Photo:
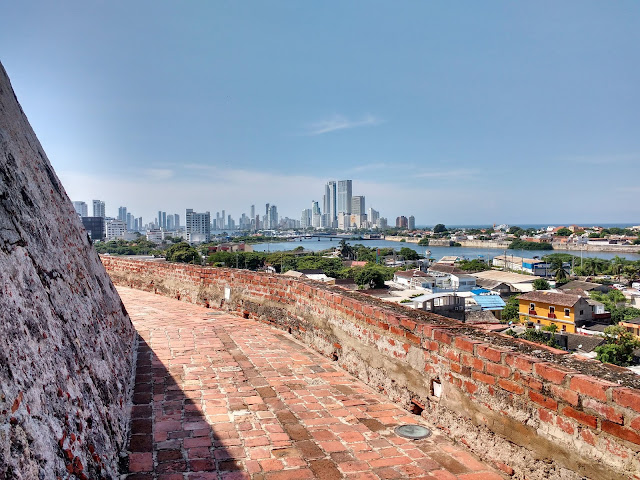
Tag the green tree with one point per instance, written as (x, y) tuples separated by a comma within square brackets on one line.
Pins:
[(540, 284), (564, 232), (409, 253), (439, 228), (424, 242), (371, 275), (346, 251), (510, 311), (518, 244), (474, 265), (183, 253), (618, 347)]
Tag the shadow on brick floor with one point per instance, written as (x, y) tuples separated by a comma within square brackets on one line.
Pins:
[(170, 436)]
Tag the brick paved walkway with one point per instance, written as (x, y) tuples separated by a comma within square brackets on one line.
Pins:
[(221, 397)]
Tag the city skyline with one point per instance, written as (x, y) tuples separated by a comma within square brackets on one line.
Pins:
[(462, 113)]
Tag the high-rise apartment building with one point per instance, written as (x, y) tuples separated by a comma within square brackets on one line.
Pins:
[(81, 209), (357, 205), (114, 229), (305, 218), (198, 226), (94, 227), (273, 217), (315, 214), (98, 208), (122, 214), (373, 216), (343, 196), (330, 208), (402, 222), (411, 224)]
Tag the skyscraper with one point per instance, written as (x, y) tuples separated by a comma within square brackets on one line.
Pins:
[(198, 226), (330, 208), (122, 214), (412, 223), (315, 214), (81, 209), (305, 218), (98, 208), (373, 216), (344, 197), (273, 217), (357, 205)]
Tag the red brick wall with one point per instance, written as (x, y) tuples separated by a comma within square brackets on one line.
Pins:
[(524, 401)]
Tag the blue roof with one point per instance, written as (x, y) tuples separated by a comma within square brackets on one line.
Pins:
[(489, 302), (478, 291)]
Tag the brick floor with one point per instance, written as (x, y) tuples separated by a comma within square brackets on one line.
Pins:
[(222, 397)]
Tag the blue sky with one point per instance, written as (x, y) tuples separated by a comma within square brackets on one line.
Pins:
[(454, 112)]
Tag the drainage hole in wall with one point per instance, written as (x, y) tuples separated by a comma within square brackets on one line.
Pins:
[(334, 357), (416, 408), (290, 330), (436, 387)]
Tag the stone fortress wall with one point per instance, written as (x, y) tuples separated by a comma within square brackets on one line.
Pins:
[(537, 410), (66, 341)]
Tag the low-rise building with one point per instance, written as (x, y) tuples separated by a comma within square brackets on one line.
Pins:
[(534, 266), (563, 310), (114, 229), (632, 326), (446, 304)]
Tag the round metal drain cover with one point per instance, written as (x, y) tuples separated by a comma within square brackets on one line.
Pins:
[(414, 432)]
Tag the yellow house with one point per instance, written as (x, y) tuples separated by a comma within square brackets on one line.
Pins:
[(561, 309), (632, 326)]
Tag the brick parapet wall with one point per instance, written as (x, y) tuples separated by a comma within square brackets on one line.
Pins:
[(543, 413)]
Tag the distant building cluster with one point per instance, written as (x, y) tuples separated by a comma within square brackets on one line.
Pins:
[(339, 210)]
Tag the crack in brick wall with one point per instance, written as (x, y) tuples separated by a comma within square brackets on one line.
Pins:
[(523, 407)]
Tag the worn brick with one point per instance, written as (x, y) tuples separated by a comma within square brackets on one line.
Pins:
[(481, 377), (490, 353), (510, 386), (498, 370), (585, 419), (543, 401), (443, 336), (564, 394), (550, 372), (465, 344), (620, 432), (603, 410), (593, 387), (627, 397), (521, 362)]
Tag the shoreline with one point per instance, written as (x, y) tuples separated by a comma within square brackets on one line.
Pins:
[(629, 249)]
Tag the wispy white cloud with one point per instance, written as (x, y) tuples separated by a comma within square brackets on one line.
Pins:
[(159, 173), (613, 159), (371, 166), (340, 122), (453, 173)]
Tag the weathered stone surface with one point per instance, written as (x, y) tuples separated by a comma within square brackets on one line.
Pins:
[(66, 341)]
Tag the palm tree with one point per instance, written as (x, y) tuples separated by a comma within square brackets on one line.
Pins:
[(617, 265), (345, 250)]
